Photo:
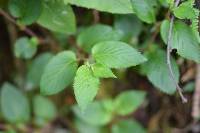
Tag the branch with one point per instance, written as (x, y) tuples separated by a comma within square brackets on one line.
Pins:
[(96, 16), (196, 96), (23, 28), (169, 50)]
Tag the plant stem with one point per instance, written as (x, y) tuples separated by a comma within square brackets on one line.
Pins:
[(23, 28), (169, 50), (196, 96), (96, 16)]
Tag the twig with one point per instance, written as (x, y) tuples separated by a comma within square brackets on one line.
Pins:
[(196, 96), (155, 33), (96, 16), (81, 54), (169, 50), (23, 28)]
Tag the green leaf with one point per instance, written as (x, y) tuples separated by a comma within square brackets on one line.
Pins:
[(164, 3), (184, 11), (127, 102), (112, 6), (126, 23), (58, 73), (58, 17), (86, 86), (25, 48), (95, 34), (116, 54), (144, 10), (96, 114), (27, 11), (36, 69), (183, 40), (189, 87), (157, 71), (195, 21), (128, 126), (83, 127), (44, 108), (102, 71), (14, 105)]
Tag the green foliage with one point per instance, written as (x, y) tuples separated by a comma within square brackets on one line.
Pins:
[(127, 126), (128, 101), (189, 87), (128, 25), (88, 47), (144, 10), (58, 17), (185, 11), (36, 69), (112, 6), (102, 71), (44, 110), (157, 71), (27, 11), (115, 54), (14, 105), (86, 86), (84, 127), (195, 21), (97, 111), (183, 40), (25, 48), (95, 34), (102, 112), (58, 73)]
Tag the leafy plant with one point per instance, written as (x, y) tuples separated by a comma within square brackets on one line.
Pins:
[(103, 112), (14, 105), (94, 47)]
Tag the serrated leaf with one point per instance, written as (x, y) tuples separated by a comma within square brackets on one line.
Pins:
[(14, 105), (144, 10), (95, 114), (86, 86), (58, 17), (27, 11), (128, 101), (116, 54), (157, 71), (184, 11), (183, 39), (95, 34), (195, 21), (36, 69), (43, 108), (25, 48), (102, 71), (112, 6), (128, 126), (58, 73)]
